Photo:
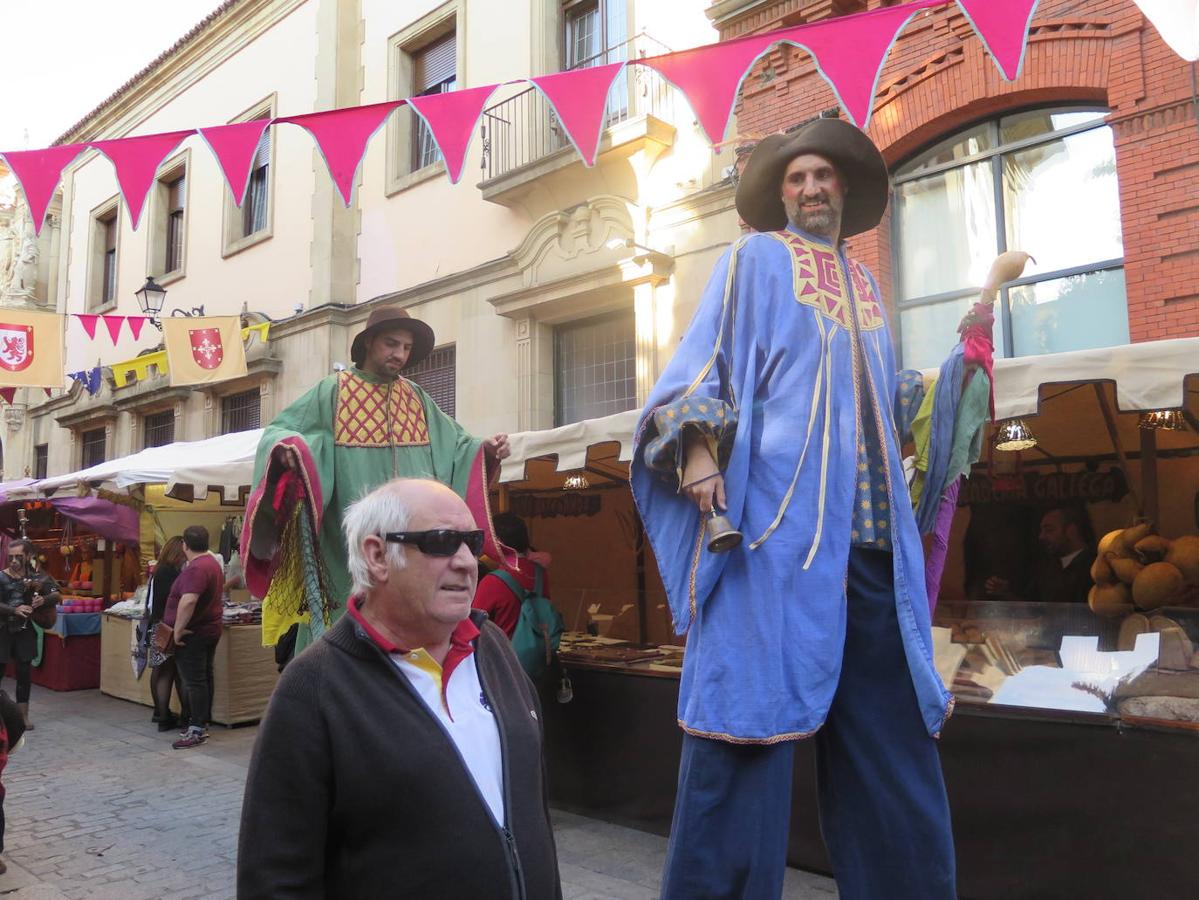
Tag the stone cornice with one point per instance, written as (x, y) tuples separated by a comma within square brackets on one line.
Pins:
[(152, 393), (725, 10), (100, 414), (457, 283), (326, 315), (239, 26), (701, 205)]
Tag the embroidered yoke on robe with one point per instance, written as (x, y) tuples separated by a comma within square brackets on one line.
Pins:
[(787, 337)]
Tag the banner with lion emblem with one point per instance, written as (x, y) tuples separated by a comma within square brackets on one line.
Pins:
[(31, 349)]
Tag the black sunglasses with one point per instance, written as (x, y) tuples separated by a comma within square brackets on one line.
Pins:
[(439, 542)]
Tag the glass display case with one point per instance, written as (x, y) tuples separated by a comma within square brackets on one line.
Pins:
[(1061, 656)]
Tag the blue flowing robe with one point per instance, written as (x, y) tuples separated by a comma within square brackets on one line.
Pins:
[(788, 334)]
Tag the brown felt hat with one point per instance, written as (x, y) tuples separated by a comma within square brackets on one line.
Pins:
[(392, 318), (759, 200)]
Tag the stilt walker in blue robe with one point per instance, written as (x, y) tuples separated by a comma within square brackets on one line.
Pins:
[(780, 407)]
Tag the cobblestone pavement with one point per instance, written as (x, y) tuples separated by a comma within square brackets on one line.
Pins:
[(100, 806)]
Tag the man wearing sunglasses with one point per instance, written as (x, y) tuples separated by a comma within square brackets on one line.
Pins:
[(401, 755), (355, 430)]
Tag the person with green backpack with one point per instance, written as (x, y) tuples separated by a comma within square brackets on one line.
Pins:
[(518, 602)]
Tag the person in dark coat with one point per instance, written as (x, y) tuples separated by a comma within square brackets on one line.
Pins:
[(401, 754), (22, 590), (1063, 573)]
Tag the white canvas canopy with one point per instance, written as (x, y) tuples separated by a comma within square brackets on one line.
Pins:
[(225, 462), (570, 444), (1146, 376), (1142, 377)]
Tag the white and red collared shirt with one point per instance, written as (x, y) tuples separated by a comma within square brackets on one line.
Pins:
[(454, 686)]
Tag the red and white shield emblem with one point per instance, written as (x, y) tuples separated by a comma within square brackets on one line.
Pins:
[(207, 350), (16, 346)]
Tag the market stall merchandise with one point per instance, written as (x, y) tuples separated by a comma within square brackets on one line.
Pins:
[(89, 546), (158, 492)]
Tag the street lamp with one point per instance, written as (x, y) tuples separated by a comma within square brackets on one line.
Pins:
[(151, 298)]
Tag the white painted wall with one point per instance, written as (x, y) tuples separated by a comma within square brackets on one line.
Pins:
[(271, 276)]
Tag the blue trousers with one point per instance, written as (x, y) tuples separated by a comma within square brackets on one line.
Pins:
[(883, 809)]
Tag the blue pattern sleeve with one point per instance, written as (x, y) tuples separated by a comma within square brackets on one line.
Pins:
[(909, 394), (665, 428)]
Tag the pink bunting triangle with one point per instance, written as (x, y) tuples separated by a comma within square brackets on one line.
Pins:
[(578, 98), (1003, 29), (136, 324), (136, 160), (8, 394), (854, 76), (341, 135), (234, 146), (89, 324), (49, 391), (113, 324), (710, 76), (451, 119), (38, 171)]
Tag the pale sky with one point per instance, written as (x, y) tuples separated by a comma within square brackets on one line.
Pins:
[(64, 57)]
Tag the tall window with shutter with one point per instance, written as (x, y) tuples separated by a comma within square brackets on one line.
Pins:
[(436, 374), (435, 72), (175, 190), (254, 208), (108, 284), (103, 252), (94, 444)]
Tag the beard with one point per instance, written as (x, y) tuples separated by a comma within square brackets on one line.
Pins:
[(824, 222)]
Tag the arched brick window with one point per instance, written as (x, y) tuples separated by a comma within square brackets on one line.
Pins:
[(1042, 180)]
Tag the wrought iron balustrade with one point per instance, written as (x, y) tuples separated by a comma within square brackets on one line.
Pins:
[(524, 128)]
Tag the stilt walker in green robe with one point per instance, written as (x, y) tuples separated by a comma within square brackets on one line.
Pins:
[(355, 430)]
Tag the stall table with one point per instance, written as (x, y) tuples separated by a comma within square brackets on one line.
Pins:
[(244, 671), (1040, 787)]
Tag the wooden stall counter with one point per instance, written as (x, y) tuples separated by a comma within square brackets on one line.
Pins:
[(244, 671)]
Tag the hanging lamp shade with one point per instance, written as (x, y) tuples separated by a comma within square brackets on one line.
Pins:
[(576, 483), (1014, 434), (1163, 420)]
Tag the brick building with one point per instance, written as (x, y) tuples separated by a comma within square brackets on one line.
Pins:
[(1089, 160)]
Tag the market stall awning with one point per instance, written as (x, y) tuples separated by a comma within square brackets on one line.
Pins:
[(1146, 376), (225, 462), (573, 445), (7, 487)]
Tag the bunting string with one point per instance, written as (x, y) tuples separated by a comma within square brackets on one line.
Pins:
[(848, 51)]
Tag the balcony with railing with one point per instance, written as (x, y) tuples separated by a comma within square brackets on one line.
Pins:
[(523, 138)]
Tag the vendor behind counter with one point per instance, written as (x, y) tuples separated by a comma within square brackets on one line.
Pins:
[(1059, 570)]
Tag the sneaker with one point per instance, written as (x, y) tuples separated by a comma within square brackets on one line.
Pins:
[(191, 739)]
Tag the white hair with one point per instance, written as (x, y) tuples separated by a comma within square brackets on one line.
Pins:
[(380, 511)]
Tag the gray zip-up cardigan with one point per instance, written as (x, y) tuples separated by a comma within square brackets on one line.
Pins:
[(356, 791)]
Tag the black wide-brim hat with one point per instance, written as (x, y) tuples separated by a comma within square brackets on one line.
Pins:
[(759, 191), (392, 318)]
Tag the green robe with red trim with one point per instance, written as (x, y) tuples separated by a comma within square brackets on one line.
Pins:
[(353, 432)]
